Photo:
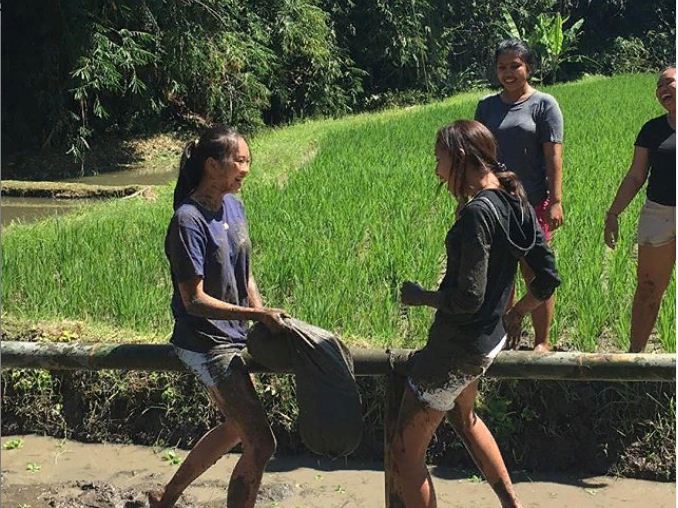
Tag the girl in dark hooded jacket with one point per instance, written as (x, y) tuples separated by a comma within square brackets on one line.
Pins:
[(495, 228)]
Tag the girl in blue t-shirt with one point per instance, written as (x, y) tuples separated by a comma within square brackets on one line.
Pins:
[(208, 248), (654, 160)]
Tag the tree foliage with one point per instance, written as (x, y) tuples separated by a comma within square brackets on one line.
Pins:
[(76, 69), (552, 43)]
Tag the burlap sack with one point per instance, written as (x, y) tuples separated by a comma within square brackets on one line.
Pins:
[(330, 412)]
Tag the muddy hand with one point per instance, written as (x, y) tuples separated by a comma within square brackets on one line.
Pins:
[(410, 293), (274, 319), (513, 324), (555, 216), (283, 313), (611, 230)]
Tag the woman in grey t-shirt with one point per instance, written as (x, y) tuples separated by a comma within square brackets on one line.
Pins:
[(528, 126)]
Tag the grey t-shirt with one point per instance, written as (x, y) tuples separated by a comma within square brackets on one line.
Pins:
[(521, 128)]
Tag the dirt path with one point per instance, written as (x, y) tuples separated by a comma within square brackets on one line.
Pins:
[(46, 472)]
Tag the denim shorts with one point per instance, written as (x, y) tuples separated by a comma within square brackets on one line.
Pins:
[(214, 366), (442, 397)]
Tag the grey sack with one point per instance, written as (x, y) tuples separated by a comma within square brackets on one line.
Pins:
[(330, 412)]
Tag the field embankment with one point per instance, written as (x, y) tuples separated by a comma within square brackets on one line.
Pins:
[(67, 190), (341, 212)]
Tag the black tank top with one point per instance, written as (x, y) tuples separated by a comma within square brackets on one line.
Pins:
[(660, 140)]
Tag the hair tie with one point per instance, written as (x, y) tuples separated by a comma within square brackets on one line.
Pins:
[(500, 167), (191, 148)]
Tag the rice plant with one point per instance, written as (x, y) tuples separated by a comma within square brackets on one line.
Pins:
[(341, 212)]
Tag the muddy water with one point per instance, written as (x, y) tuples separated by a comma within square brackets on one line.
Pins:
[(31, 209), (131, 177), (46, 472)]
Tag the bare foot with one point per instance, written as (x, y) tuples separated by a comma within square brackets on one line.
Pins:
[(543, 347), (155, 499)]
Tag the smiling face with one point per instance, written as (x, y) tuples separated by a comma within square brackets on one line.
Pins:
[(666, 89), (512, 71), (229, 173)]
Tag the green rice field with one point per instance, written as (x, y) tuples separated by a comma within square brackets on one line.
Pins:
[(341, 212)]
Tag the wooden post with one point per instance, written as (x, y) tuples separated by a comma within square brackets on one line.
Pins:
[(395, 386)]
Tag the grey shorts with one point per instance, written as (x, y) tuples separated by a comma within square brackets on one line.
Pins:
[(216, 365), (656, 224), (441, 398)]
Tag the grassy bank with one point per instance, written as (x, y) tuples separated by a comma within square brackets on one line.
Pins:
[(341, 212)]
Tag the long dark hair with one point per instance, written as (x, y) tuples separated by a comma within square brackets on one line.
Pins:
[(472, 147), (218, 141)]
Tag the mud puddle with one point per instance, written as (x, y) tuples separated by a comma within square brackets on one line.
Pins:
[(46, 472), (32, 209)]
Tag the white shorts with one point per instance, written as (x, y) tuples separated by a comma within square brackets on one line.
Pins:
[(216, 365), (442, 399), (656, 224)]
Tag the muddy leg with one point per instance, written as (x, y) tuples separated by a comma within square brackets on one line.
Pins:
[(415, 427), (482, 447), (210, 448), (655, 265), (237, 398), (542, 316)]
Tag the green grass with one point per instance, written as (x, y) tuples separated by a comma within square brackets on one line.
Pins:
[(341, 212)]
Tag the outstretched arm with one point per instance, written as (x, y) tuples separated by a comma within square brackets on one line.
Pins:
[(629, 187), (468, 294), (199, 303), (542, 262)]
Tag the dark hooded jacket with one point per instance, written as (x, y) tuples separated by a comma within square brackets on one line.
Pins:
[(483, 248)]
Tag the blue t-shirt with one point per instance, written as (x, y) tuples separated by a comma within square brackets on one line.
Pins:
[(216, 247)]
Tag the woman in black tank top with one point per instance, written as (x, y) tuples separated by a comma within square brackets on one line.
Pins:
[(654, 161)]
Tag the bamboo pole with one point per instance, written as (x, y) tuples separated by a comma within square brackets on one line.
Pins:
[(509, 364), (569, 366)]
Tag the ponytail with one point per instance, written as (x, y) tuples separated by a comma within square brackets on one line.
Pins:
[(218, 142), (189, 175), (510, 183)]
